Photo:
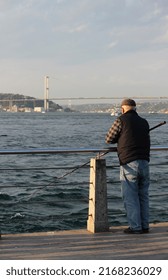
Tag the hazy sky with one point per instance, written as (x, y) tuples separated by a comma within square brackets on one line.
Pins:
[(88, 48)]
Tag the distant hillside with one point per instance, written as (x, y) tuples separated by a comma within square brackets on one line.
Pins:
[(11, 99), (26, 101), (143, 107), (153, 107)]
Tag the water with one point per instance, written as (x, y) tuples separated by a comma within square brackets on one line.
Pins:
[(35, 200)]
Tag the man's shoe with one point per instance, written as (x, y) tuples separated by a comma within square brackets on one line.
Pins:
[(131, 231), (145, 230)]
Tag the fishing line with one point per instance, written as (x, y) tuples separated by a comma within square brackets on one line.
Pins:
[(64, 175)]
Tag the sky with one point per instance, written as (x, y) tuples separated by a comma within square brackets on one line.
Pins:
[(88, 48)]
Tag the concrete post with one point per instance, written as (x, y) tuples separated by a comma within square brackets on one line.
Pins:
[(97, 217)]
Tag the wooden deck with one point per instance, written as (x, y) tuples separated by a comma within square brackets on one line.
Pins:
[(82, 245)]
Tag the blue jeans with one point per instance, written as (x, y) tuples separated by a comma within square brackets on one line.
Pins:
[(134, 178)]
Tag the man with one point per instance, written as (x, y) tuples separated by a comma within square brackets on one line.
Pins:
[(131, 133)]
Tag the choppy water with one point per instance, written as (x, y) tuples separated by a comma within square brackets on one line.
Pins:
[(27, 204)]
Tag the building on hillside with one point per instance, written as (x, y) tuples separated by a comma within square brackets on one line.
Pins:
[(39, 109)]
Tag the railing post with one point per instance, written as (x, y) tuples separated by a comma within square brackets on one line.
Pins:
[(97, 216)]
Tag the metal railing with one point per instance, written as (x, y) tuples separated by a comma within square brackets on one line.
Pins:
[(26, 204), (71, 151)]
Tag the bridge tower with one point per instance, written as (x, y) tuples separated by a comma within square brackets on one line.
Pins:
[(46, 93)]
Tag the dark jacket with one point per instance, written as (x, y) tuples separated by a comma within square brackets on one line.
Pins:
[(134, 140)]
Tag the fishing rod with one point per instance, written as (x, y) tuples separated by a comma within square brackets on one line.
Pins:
[(162, 123), (156, 126), (112, 149)]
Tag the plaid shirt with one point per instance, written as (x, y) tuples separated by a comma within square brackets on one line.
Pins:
[(114, 132)]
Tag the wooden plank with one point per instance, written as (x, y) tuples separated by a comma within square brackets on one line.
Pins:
[(82, 245)]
